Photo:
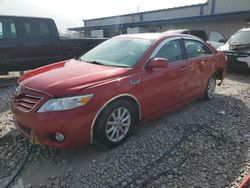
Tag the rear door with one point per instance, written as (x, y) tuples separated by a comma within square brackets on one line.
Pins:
[(200, 63), (164, 88), (40, 44), (9, 51)]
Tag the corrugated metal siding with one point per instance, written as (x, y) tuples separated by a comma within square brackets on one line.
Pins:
[(207, 8), (228, 27), (113, 20), (223, 6), (172, 13)]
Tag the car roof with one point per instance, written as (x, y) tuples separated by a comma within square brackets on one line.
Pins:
[(156, 36), (182, 30), (26, 17), (246, 29)]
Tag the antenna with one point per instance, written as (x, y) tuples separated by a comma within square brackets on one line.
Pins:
[(137, 9)]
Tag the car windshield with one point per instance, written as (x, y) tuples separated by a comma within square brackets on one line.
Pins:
[(240, 38), (119, 52)]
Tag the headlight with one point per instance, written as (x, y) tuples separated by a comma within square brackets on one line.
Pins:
[(66, 103)]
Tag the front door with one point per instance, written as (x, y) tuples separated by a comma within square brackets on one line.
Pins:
[(164, 88)]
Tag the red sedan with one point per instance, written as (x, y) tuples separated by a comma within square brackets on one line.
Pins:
[(100, 96)]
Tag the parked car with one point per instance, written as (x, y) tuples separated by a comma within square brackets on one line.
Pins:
[(216, 39), (237, 50), (102, 95), (28, 43)]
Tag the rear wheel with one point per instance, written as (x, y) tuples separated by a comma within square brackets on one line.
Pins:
[(209, 92), (115, 123)]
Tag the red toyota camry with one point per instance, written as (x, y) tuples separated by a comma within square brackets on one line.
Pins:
[(100, 96)]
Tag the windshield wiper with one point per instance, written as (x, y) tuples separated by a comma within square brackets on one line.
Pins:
[(92, 62), (95, 62)]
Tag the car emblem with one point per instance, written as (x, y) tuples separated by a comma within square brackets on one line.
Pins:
[(17, 90)]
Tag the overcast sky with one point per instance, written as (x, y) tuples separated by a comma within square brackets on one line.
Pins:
[(70, 13)]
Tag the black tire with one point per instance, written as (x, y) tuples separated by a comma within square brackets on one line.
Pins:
[(209, 92), (102, 127)]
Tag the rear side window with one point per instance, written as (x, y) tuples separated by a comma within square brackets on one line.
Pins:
[(7, 29), (196, 49), (36, 29), (171, 51)]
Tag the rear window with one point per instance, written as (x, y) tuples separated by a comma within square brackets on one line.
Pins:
[(7, 29), (36, 29)]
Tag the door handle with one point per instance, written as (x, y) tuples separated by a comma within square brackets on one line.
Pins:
[(183, 68)]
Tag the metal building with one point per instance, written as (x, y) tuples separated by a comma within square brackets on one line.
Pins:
[(225, 16)]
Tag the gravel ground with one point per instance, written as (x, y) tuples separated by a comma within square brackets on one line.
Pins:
[(205, 144)]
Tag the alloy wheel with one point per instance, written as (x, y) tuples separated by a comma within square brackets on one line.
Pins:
[(118, 124)]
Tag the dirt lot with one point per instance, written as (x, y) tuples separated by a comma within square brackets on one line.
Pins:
[(205, 144)]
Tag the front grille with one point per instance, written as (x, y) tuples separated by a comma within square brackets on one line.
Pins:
[(26, 102)]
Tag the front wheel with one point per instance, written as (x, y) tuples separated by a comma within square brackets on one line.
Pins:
[(209, 92), (115, 123)]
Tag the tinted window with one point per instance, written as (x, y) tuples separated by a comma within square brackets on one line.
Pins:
[(7, 29), (171, 51), (196, 49), (36, 29)]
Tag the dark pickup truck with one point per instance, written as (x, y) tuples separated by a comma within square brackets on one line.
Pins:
[(28, 43)]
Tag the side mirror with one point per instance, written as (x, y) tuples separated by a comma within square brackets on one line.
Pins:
[(222, 41), (158, 63)]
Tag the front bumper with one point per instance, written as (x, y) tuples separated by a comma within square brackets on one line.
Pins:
[(235, 61), (40, 128)]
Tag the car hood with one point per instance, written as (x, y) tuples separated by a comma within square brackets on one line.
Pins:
[(232, 48), (69, 77)]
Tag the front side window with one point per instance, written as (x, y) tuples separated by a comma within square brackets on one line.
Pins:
[(196, 49), (7, 29), (171, 51), (120, 52)]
